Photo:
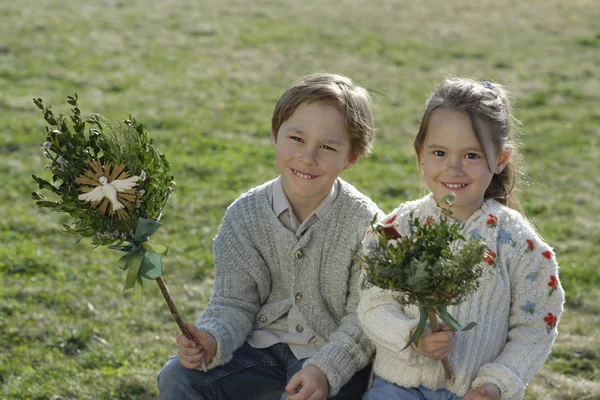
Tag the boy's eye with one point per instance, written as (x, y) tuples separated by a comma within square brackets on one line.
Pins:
[(439, 153), (472, 156), (296, 138), (328, 148)]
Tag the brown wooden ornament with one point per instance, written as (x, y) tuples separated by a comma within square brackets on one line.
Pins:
[(109, 188)]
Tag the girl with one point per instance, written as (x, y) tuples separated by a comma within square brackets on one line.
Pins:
[(465, 146)]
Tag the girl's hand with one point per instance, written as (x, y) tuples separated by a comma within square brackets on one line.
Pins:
[(436, 345), (312, 383), (192, 354), (489, 391)]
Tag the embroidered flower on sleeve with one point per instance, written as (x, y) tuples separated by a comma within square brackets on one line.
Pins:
[(528, 307), (532, 276), (547, 254), (372, 244), (391, 220), (474, 234), (391, 233), (492, 221), (429, 221), (530, 244), (553, 284), (489, 257), (506, 238), (389, 229), (550, 321)]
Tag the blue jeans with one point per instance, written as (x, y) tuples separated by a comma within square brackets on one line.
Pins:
[(384, 390), (253, 374)]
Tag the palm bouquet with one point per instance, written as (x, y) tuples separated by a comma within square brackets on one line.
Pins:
[(114, 184), (423, 268)]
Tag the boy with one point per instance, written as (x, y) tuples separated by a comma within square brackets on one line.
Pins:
[(282, 316)]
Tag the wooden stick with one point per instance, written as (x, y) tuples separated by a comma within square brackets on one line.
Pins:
[(434, 328), (175, 313)]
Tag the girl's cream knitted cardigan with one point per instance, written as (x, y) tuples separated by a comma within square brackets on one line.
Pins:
[(516, 309)]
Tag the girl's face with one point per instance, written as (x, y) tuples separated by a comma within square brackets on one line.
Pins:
[(453, 161)]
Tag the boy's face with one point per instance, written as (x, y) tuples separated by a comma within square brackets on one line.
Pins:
[(312, 148)]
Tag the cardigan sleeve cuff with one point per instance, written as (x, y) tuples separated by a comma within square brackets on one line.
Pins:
[(337, 364), (223, 339), (510, 385)]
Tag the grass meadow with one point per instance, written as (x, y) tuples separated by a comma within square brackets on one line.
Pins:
[(203, 76)]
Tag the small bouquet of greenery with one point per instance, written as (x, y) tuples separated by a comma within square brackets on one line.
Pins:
[(114, 184), (422, 268)]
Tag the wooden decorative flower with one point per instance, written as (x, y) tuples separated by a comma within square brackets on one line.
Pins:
[(109, 188)]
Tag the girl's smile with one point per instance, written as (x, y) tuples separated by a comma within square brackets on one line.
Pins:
[(456, 186)]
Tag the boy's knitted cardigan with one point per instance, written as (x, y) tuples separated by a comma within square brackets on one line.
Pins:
[(516, 309), (261, 267)]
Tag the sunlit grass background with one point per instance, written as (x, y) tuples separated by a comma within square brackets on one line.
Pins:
[(203, 77)]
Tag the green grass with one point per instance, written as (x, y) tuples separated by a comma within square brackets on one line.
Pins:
[(203, 78)]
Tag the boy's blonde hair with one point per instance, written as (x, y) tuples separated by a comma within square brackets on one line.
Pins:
[(488, 107), (351, 100)]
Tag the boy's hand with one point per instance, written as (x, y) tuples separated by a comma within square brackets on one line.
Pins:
[(192, 354), (312, 382), (489, 391), (436, 345)]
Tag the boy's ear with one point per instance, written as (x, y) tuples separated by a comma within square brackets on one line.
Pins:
[(273, 138), (503, 159), (352, 160)]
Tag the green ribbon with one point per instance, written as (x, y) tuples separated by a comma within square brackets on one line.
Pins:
[(143, 259), (445, 316), (416, 335), (451, 322)]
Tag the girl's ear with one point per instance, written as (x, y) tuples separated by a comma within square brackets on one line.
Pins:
[(273, 138), (503, 159)]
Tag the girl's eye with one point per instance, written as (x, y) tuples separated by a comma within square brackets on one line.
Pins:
[(296, 138), (439, 153), (472, 156)]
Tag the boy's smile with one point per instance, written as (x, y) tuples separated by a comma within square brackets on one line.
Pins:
[(304, 176), (454, 161), (312, 148)]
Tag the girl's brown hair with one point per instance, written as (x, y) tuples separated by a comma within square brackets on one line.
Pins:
[(488, 107)]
